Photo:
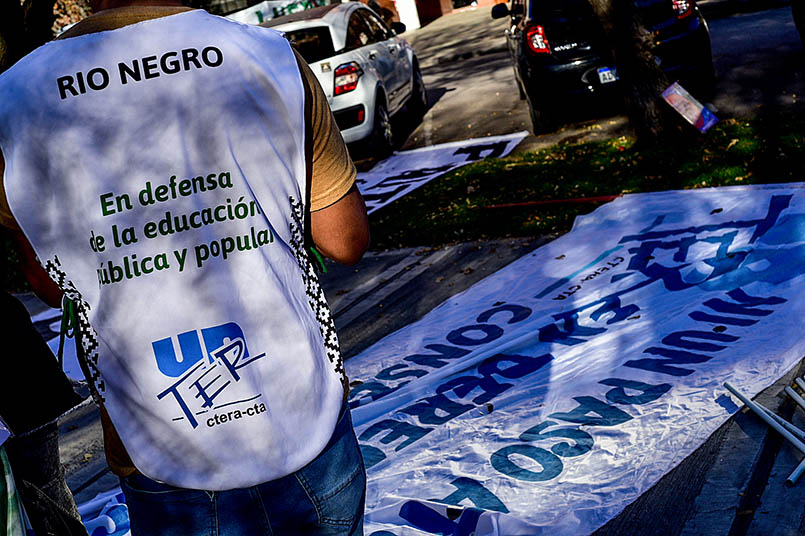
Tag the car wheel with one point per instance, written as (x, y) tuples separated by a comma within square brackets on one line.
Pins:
[(541, 121), (418, 104), (382, 138), (519, 85), (707, 79)]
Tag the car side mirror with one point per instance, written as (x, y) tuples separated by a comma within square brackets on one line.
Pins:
[(500, 11), (398, 27)]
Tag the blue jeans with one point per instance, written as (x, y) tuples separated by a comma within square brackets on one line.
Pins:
[(326, 497)]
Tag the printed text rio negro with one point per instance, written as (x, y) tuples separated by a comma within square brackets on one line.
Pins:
[(138, 69)]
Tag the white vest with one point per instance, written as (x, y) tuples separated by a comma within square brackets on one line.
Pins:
[(159, 172)]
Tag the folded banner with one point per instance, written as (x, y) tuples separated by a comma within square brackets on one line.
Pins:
[(550, 395), (406, 171)]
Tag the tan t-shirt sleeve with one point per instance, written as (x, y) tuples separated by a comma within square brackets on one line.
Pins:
[(333, 172)]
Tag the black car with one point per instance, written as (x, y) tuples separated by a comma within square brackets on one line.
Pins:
[(560, 53)]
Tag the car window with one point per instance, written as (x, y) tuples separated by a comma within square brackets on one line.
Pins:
[(313, 44), (378, 27), (567, 21), (358, 32)]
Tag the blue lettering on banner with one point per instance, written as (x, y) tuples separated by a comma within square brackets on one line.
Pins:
[(670, 358), (202, 380), (475, 492), (551, 464), (438, 409), (729, 269), (460, 522), (591, 411), (436, 361), (472, 335)]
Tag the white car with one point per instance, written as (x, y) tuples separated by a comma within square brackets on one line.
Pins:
[(367, 72)]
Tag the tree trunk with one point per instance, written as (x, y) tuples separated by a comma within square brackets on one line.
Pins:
[(641, 79)]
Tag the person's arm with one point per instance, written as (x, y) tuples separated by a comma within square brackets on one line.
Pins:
[(339, 225), (341, 231), (41, 283), (37, 277)]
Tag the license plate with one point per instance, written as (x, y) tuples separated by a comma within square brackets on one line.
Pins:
[(607, 75)]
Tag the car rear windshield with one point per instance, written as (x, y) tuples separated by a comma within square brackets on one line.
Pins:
[(566, 22), (314, 44)]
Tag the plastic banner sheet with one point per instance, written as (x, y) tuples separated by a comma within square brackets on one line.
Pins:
[(106, 514), (553, 393), (406, 171)]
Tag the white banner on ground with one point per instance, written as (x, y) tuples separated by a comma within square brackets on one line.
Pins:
[(550, 395), (406, 171)]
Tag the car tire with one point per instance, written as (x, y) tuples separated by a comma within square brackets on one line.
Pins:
[(706, 76), (541, 121), (418, 103), (520, 89), (381, 139)]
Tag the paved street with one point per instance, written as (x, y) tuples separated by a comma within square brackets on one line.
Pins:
[(759, 59)]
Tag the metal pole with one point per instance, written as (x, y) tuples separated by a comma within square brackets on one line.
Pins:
[(800, 383), (801, 467), (792, 479), (763, 415), (796, 432), (761, 412), (793, 394)]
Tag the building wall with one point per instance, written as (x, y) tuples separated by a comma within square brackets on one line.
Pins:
[(430, 10)]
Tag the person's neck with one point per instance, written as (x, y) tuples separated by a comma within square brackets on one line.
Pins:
[(112, 4)]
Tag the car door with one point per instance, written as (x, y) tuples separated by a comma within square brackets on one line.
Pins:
[(401, 84), (361, 37)]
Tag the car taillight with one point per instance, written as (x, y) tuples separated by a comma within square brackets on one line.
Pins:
[(346, 77), (535, 37), (682, 8)]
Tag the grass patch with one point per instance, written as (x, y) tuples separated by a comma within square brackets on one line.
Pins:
[(455, 207)]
